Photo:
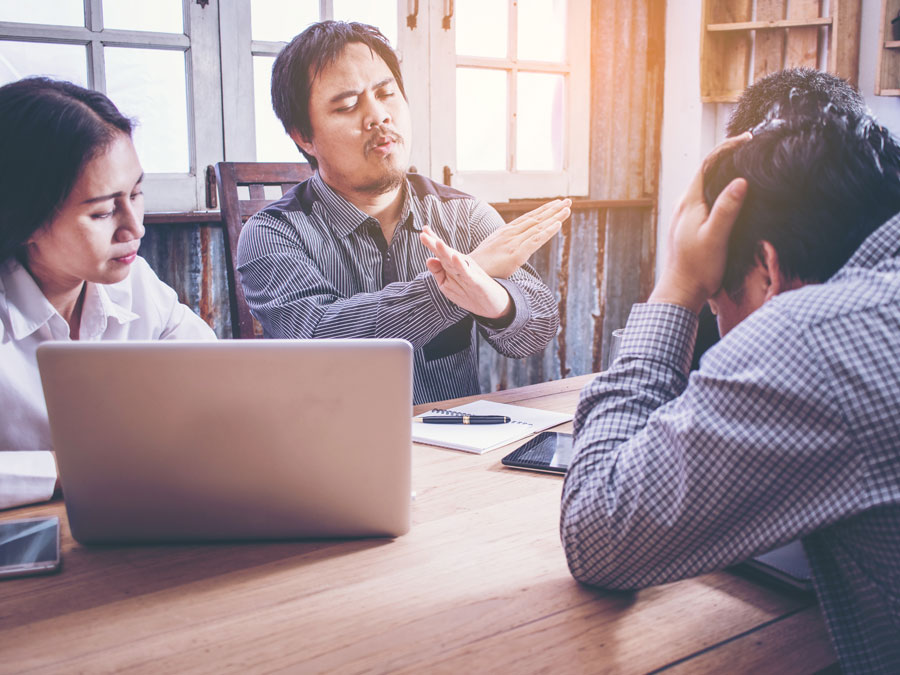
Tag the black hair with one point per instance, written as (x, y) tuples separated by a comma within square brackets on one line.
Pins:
[(820, 180), (756, 101), (49, 129), (298, 64)]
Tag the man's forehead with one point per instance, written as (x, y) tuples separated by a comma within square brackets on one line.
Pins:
[(357, 67)]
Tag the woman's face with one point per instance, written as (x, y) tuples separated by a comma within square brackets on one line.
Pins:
[(95, 234)]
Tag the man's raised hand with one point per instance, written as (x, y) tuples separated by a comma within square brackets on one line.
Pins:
[(507, 248), (463, 282), (698, 240)]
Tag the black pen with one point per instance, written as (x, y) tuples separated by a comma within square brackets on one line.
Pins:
[(466, 419)]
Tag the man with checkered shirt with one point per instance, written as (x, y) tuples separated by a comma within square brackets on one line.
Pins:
[(789, 429)]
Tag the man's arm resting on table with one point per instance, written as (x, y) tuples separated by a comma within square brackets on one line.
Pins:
[(673, 478)]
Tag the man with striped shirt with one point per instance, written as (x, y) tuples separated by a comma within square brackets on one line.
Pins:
[(789, 429), (364, 250)]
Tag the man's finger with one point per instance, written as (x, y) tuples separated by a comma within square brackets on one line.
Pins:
[(550, 210), (695, 188), (437, 270), (725, 146), (726, 208)]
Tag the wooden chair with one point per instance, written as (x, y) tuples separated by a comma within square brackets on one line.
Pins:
[(235, 212)]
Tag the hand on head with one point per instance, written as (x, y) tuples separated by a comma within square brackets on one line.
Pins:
[(698, 240), (463, 281), (507, 248)]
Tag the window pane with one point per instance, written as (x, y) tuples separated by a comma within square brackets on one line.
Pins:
[(482, 27), (161, 16), (62, 62), (272, 143), (53, 12), (149, 85), (480, 119), (382, 15), (542, 30), (279, 21), (539, 130)]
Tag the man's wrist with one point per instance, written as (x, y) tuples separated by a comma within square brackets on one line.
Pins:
[(671, 293), (662, 332), (507, 313)]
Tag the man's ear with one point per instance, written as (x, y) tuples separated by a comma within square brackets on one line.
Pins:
[(769, 267), (303, 142)]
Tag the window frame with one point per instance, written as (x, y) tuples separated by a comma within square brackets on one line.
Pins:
[(237, 80), (501, 186), (200, 45)]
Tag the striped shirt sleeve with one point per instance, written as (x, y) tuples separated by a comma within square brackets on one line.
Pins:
[(291, 297)]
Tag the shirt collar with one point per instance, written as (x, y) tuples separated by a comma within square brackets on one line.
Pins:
[(99, 308), (344, 218), (882, 244), (29, 309)]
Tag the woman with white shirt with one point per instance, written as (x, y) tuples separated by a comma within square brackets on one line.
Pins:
[(71, 222)]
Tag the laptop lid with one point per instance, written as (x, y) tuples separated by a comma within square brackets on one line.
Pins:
[(237, 439)]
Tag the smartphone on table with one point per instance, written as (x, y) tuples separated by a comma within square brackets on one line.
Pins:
[(29, 546), (550, 452)]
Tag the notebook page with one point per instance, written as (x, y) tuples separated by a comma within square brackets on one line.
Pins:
[(480, 438)]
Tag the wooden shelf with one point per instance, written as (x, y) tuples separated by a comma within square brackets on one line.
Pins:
[(887, 77), (769, 25), (745, 40)]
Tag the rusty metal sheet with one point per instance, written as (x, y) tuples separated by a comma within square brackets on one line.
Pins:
[(191, 259)]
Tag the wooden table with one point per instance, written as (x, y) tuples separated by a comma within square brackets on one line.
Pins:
[(479, 584)]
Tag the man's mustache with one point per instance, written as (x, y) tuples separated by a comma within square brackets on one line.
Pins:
[(380, 134)]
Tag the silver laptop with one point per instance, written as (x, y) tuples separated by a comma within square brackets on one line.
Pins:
[(237, 439)]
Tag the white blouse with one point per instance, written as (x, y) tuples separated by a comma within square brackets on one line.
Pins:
[(141, 307)]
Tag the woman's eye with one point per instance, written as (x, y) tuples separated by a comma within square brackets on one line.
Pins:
[(100, 216), (135, 195)]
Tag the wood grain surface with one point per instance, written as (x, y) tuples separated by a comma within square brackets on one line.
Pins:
[(480, 584)]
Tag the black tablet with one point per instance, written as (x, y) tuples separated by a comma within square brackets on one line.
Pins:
[(548, 451)]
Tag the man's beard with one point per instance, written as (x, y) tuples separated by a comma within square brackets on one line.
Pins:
[(393, 175), (390, 180)]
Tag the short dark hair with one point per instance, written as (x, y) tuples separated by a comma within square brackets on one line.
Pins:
[(49, 129), (298, 64), (757, 99), (820, 180)]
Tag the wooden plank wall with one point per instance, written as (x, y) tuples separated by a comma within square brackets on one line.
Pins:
[(603, 260)]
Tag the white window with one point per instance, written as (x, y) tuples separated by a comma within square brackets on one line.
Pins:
[(511, 110), (157, 61), (498, 89), (256, 30)]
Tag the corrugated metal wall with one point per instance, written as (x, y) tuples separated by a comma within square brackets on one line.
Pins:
[(600, 264)]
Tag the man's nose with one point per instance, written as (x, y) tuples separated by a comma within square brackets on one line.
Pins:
[(376, 113)]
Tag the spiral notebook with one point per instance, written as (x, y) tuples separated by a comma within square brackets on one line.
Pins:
[(481, 438)]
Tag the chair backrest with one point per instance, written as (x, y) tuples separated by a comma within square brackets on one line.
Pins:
[(235, 211)]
